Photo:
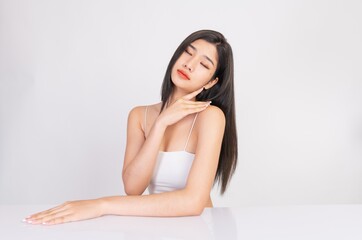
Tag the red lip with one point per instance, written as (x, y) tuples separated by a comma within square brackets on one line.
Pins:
[(183, 75)]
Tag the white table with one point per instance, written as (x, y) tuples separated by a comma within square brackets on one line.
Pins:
[(322, 222)]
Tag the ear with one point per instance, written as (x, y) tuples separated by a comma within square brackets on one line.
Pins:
[(211, 83)]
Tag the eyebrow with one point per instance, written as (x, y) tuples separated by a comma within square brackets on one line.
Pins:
[(190, 45)]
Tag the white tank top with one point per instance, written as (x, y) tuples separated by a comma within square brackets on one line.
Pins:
[(172, 168)]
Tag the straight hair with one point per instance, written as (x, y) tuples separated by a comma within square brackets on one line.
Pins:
[(221, 95)]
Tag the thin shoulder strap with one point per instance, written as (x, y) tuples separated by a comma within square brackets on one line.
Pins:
[(145, 120), (188, 138)]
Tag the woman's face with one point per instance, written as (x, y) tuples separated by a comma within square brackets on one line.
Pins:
[(195, 67)]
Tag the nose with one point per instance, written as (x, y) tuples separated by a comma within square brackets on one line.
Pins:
[(187, 67), (190, 64)]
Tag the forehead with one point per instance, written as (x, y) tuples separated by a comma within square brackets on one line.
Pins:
[(205, 48)]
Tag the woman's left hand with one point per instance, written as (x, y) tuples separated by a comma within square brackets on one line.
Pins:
[(68, 212)]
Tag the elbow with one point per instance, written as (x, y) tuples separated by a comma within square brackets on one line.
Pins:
[(131, 191), (129, 188), (196, 211), (196, 205)]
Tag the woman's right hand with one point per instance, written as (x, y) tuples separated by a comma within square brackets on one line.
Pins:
[(181, 108)]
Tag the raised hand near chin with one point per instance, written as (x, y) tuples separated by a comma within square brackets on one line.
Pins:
[(181, 108)]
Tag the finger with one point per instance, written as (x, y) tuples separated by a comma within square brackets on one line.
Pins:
[(46, 211), (193, 94), (191, 102), (195, 109), (53, 217), (49, 217), (41, 215), (196, 105)]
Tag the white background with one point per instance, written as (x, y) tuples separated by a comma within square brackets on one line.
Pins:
[(71, 70)]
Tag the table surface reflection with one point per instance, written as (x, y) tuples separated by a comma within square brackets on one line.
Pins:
[(268, 222)]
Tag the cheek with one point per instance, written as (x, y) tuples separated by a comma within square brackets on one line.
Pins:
[(173, 74), (205, 76), (180, 60), (176, 65), (202, 81)]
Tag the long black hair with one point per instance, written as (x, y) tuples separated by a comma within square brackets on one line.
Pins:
[(221, 95)]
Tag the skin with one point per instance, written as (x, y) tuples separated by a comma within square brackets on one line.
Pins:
[(163, 133)]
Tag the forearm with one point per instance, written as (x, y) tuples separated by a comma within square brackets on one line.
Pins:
[(137, 174), (169, 204)]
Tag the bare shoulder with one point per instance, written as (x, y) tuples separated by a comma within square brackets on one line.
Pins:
[(213, 113), (210, 128), (137, 113)]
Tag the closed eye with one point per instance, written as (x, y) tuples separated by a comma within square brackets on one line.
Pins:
[(205, 66), (188, 52)]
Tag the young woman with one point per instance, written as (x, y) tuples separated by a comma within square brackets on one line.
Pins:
[(177, 148)]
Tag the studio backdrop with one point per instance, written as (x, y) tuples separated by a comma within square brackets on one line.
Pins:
[(71, 70)]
